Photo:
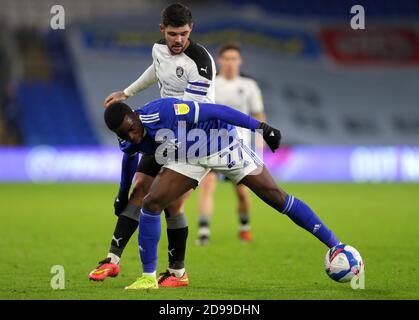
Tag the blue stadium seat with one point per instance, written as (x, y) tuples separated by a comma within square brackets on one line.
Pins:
[(53, 112), (338, 9)]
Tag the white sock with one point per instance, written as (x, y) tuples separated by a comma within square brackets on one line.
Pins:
[(177, 272), (203, 231), (114, 258), (244, 227), (151, 274)]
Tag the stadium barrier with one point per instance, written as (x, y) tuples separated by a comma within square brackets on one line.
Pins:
[(289, 164)]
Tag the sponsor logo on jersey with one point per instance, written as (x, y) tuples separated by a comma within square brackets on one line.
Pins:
[(181, 108), (179, 72)]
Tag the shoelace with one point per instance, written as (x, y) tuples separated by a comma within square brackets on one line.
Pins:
[(165, 275), (107, 260)]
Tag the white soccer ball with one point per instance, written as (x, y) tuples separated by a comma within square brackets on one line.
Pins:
[(343, 262)]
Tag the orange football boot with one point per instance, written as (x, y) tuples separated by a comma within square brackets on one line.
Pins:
[(245, 235), (105, 269), (168, 279)]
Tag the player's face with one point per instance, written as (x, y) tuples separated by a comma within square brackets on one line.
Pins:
[(229, 62), (176, 37), (130, 130)]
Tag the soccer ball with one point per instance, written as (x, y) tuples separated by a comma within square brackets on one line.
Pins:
[(343, 262)]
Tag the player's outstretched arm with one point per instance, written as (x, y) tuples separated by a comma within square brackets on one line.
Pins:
[(128, 169), (211, 111), (208, 111), (143, 82), (115, 97)]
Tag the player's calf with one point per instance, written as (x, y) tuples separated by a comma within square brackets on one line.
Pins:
[(177, 234), (299, 212), (304, 216)]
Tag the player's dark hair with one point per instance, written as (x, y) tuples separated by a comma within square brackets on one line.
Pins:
[(176, 15), (115, 114), (229, 46)]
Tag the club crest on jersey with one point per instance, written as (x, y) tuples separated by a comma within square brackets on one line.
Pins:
[(181, 108), (179, 72)]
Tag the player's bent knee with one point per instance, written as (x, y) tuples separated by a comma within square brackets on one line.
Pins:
[(142, 184), (153, 203), (139, 191), (137, 195), (174, 208)]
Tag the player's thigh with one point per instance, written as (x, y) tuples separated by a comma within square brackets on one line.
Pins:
[(245, 167), (209, 183), (142, 184), (147, 170), (168, 186), (265, 187), (194, 171), (176, 207)]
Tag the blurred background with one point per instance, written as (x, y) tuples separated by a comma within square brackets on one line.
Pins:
[(347, 101)]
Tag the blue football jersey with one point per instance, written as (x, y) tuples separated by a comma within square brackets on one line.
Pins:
[(180, 118)]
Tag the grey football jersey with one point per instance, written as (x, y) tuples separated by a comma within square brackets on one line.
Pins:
[(241, 93), (187, 76)]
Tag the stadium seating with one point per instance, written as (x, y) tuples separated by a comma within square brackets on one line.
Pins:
[(53, 114), (37, 13), (309, 96), (333, 8), (53, 111)]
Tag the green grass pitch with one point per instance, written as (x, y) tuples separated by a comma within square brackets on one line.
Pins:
[(71, 224)]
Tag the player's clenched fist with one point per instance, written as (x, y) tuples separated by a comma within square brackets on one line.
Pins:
[(115, 97), (271, 136)]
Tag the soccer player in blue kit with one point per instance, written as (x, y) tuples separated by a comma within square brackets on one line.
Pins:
[(163, 127)]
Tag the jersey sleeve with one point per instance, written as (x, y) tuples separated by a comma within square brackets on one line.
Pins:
[(193, 112), (128, 169), (186, 111), (198, 87), (200, 74), (255, 101), (127, 147), (128, 166), (212, 111), (143, 82)]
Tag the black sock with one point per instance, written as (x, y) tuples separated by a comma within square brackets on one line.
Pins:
[(177, 247), (204, 221), (124, 229), (244, 219)]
